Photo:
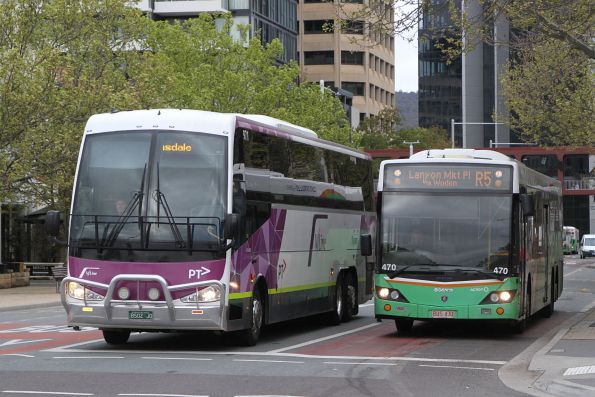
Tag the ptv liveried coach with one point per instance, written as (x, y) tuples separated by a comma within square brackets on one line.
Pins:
[(466, 235), (190, 220)]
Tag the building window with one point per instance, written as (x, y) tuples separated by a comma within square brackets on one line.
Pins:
[(356, 88), (352, 58), (318, 26), (547, 164), (319, 57), (353, 27)]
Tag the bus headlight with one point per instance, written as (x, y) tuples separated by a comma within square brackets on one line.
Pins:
[(78, 291), (208, 294), (390, 294), (498, 297)]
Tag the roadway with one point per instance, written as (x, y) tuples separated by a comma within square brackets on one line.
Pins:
[(40, 356)]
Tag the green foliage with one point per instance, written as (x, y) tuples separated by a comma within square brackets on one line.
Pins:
[(551, 95), (62, 61), (380, 132)]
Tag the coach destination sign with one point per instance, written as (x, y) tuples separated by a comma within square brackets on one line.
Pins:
[(447, 176)]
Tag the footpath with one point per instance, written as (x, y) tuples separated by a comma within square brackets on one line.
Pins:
[(560, 363)]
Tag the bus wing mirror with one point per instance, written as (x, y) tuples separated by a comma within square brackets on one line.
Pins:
[(527, 204), (366, 244), (52, 223), (230, 225)]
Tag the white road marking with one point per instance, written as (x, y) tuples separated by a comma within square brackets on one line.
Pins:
[(177, 358), (450, 366), (355, 363), (268, 361), (161, 395), (17, 355), (589, 369), (87, 357), (333, 336), (45, 393), (572, 272), (12, 342)]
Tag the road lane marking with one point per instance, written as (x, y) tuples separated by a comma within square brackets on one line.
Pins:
[(161, 395), (45, 393), (313, 341), (178, 358), (17, 355), (268, 361), (87, 357), (589, 369), (355, 363), (574, 271), (451, 366)]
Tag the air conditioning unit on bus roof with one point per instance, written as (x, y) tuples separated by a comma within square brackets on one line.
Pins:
[(460, 153)]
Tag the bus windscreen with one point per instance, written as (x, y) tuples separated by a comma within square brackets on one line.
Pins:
[(448, 176)]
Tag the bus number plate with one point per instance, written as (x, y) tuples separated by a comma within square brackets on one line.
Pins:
[(140, 315), (443, 314)]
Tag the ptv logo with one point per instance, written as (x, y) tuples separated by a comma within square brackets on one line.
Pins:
[(196, 273)]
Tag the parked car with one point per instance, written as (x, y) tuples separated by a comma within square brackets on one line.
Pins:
[(587, 247)]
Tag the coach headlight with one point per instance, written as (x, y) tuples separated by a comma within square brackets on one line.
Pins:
[(204, 295), (390, 294), (78, 291), (498, 297)]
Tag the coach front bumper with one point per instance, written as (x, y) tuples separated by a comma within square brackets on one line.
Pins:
[(165, 314)]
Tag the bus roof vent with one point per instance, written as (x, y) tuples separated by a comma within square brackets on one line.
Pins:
[(460, 153)]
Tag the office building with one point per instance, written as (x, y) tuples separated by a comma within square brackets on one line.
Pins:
[(347, 55)]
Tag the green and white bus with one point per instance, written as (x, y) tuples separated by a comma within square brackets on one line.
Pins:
[(570, 240), (466, 235)]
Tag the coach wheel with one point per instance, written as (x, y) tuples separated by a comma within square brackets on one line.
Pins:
[(549, 309), (404, 325), (116, 337), (250, 336), (349, 298), (521, 325), (334, 317)]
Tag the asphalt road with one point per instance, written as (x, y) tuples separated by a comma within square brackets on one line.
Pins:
[(40, 356)]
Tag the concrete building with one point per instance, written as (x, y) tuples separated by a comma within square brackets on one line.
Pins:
[(347, 55), (466, 90), (269, 19)]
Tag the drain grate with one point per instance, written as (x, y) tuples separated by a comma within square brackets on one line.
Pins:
[(589, 369)]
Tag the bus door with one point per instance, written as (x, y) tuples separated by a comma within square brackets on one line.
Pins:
[(545, 250)]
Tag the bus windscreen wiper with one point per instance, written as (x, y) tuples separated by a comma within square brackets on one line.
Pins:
[(162, 201), (474, 270), (405, 268), (136, 201)]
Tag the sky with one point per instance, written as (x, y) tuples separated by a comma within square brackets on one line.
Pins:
[(405, 65)]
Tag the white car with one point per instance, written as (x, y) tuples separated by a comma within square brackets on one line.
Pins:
[(587, 246)]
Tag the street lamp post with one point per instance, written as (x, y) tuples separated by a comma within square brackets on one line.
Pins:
[(411, 146), (452, 131)]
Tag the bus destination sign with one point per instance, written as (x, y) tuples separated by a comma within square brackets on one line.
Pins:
[(447, 177)]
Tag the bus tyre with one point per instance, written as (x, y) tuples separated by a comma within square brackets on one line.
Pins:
[(549, 309), (116, 337), (249, 337), (349, 298), (404, 325), (334, 317)]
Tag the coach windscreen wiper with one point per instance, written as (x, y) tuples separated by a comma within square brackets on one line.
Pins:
[(162, 201), (135, 202)]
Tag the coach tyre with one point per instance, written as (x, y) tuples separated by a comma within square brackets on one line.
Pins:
[(116, 337), (349, 297), (250, 336), (404, 325)]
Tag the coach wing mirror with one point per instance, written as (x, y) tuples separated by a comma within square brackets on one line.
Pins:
[(527, 204), (52, 223), (366, 244), (230, 225)]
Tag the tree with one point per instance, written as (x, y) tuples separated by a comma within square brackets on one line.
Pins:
[(60, 61), (195, 65), (571, 22), (381, 132), (551, 95)]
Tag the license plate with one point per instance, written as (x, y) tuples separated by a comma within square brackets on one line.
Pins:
[(443, 314), (140, 315)]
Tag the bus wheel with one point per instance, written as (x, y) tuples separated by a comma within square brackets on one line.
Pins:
[(116, 337), (250, 336), (349, 298), (521, 325), (404, 325), (549, 309), (334, 316)]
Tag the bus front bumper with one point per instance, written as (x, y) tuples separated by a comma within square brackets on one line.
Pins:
[(391, 309), (163, 314)]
